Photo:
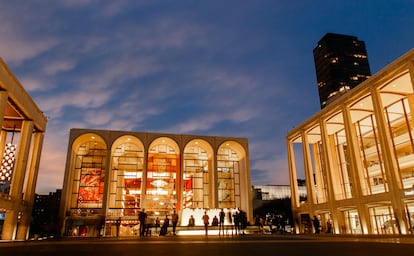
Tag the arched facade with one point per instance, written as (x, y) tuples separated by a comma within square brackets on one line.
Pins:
[(112, 175)]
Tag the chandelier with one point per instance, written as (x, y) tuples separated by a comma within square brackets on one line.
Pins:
[(7, 164)]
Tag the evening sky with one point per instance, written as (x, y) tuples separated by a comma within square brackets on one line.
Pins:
[(221, 68)]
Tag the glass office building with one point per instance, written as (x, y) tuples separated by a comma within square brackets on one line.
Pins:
[(357, 157), (113, 175), (341, 63)]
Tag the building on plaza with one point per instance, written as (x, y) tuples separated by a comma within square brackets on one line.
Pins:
[(341, 63), (115, 174), (21, 139), (45, 215), (266, 193), (273, 192), (357, 157)]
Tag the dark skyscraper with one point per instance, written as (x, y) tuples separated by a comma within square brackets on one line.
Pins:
[(341, 63)]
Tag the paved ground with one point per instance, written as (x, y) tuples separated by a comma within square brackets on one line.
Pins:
[(255, 245)]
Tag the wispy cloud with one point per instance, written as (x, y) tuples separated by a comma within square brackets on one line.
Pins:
[(209, 67)]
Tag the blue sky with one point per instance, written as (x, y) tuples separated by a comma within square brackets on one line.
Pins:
[(225, 68)]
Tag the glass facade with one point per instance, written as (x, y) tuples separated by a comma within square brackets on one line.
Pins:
[(163, 165), (89, 175), (228, 178), (197, 174), (110, 182), (358, 155), (125, 182)]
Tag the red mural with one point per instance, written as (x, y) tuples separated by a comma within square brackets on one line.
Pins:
[(91, 188)]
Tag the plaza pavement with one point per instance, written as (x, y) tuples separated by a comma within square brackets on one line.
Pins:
[(212, 245)]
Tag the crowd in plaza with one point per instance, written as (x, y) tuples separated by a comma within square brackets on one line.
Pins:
[(236, 221)]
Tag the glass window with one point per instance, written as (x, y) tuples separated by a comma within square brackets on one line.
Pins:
[(399, 122), (195, 177), (374, 176), (162, 167), (228, 178), (317, 162), (126, 178), (382, 220), (342, 174), (89, 175)]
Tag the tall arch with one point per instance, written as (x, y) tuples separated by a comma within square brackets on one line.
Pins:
[(126, 173), (163, 168), (88, 174), (231, 164), (197, 174)]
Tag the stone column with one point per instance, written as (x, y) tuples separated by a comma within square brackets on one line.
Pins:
[(294, 189), (10, 223), (356, 170), (29, 195), (390, 162), (328, 155)]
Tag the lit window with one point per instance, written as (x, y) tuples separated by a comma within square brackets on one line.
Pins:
[(361, 56), (344, 88)]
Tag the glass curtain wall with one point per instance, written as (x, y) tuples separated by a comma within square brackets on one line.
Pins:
[(89, 176), (382, 220), (344, 190), (409, 212), (228, 178), (374, 176), (341, 173), (400, 124), (126, 180), (352, 224), (321, 182), (317, 164), (195, 177), (299, 166), (162, 169)]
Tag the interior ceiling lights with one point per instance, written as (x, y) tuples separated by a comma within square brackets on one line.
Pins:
[(7, 163)]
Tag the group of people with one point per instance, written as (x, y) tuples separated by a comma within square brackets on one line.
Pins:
[(146, 223), (271, 223), (318, 227), (238, 219)]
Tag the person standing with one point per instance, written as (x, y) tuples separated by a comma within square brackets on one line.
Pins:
[(328, 226), (230, 220), (164, 228), (174, 221), (191, 222), (316, 224), (236, 221), (118, 225), (157, 224), (142, 216), (242, 221), (221, 221), (206, 221)]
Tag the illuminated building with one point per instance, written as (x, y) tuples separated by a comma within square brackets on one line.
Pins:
[(21, 140), (115, 174), (341, 63), (273, 192), (357, 157)]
